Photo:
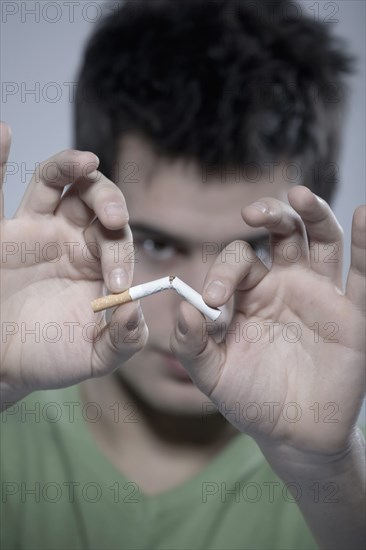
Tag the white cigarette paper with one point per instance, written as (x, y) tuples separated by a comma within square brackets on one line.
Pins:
[(153, 287), (147, 289), (195, 299)]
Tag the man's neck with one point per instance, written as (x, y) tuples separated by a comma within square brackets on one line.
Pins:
[(156, 450)]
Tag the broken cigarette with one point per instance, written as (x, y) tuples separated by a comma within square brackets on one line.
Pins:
[(153, 287)]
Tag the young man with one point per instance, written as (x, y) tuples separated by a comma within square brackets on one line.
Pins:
[(199, 112)]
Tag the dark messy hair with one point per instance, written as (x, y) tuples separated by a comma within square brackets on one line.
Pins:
[(220, 82)]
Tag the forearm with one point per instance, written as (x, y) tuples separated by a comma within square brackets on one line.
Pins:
[(329, 492)]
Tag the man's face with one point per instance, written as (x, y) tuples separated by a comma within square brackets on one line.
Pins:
[(179, 225)]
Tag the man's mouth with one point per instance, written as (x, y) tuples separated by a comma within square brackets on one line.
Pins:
[(174, 367)]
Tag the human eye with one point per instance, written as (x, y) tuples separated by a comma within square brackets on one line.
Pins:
[(157, 249)]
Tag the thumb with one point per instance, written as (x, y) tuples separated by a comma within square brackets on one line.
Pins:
[(197, 350), (120, 339)]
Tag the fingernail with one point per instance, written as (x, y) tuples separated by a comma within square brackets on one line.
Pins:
[(115, 209), (118, 279), (182, 324), (260, 206), (135, 319), (216, 290), (94, 175)]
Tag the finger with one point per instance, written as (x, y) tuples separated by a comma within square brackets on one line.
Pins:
[(120, 339), (236, 268), (114, 251), (355, 288), (73, 209), (324, 233), (196, 349), (287, 232), (93, 195), (50, 177), (5, 141)]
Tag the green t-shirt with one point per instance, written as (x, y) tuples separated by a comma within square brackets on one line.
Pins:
[(59, 492)]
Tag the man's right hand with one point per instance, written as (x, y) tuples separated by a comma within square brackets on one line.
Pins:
[(57, 253)]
